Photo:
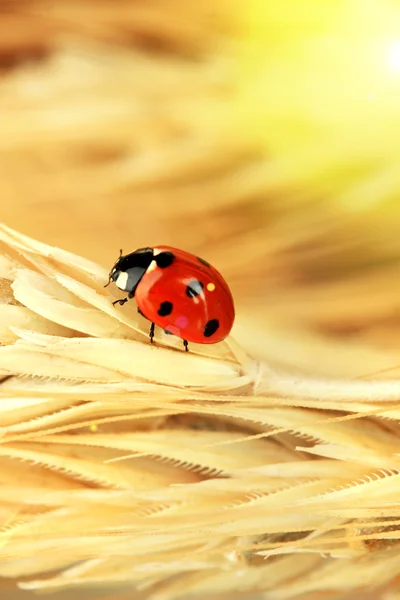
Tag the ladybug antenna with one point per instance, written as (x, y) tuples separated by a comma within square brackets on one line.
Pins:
[(109, 275)]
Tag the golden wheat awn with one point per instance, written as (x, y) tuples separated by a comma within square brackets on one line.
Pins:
[(145, 468)]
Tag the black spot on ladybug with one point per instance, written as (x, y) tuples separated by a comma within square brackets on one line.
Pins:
[(164, 259), (194, 288), (165, 309), (168, 332), (211, 327), (203, 262)]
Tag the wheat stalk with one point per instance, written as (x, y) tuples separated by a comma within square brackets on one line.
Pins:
[(124, 464)]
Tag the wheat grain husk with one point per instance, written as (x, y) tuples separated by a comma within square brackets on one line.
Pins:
[(126, 464)]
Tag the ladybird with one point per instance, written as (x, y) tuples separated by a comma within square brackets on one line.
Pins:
[(177, 291)]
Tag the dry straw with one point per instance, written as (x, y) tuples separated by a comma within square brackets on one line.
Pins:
[(133, 466)]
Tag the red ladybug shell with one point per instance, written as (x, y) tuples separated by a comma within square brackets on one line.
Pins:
[(189, 298)]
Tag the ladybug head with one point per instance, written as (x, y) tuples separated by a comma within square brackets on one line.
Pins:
[(129, 269)]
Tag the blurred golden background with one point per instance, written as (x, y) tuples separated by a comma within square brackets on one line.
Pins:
[(263, 136)]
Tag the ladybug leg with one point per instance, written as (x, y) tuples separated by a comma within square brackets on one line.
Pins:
[(120, 302), (151, 333), (186, 345), (140, 312)]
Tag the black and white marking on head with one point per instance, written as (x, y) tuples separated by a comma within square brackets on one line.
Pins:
[(211, 327), (121, 280), (194, 288), (203, 262), (165, 309), (130, 268), (164, 259)]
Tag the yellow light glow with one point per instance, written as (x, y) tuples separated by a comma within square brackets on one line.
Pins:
[(393, 56), (319, 87)]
